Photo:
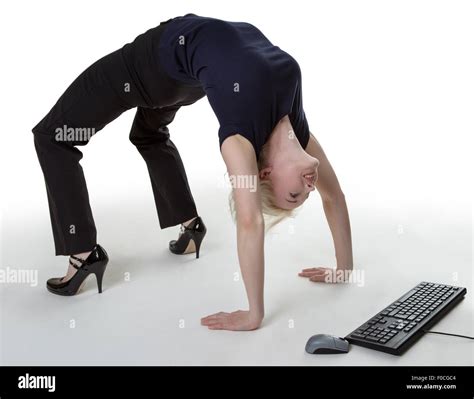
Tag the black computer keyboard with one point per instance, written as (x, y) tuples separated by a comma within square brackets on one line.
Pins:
[(399, 325)]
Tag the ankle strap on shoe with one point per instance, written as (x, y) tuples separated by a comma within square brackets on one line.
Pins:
[(193, 225), (81, 261)]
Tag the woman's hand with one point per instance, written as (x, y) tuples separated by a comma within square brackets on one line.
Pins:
[(241, 320), (325, 275)]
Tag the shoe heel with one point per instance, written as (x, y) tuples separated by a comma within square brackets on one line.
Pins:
[(198, 237), (198, 245), (99, 274), (99, 277)]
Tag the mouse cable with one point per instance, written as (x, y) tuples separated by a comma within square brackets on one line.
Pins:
[(443, 333)]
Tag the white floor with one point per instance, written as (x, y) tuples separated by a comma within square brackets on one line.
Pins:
[(150, 310)]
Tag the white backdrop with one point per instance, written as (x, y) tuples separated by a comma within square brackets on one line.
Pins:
[(388, 91)]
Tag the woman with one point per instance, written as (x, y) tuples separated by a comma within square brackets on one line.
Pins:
[(255, 91)]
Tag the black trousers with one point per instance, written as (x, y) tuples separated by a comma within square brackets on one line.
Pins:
[(99, 95)]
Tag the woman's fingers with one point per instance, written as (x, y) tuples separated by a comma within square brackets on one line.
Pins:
[(309, 274), (213, 315), (213, 325), (219, 323), (217, 326), (306, 274), (316, 274), (312, 271), (318, 278), (213, 318), (208, 319)]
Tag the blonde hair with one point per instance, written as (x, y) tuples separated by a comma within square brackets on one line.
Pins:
[(272, 213)]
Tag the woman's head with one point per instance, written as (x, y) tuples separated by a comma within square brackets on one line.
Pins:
[(287, 174), (291, 175)]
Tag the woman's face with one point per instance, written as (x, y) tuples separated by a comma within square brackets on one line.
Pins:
[(292, 182)]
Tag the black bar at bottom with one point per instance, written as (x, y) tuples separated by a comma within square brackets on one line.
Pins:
[(129, 381)]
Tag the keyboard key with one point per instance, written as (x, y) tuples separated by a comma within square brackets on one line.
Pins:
[(393, 312), (373, 339)]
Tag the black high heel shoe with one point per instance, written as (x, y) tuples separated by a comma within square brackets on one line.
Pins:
[(95, 263), (190, 238)]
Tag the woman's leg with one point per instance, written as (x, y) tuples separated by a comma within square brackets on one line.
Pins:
[(93, 100), (173, 197), (73, 226)]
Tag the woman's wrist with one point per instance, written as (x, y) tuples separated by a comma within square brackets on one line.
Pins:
[(345, 263), (344, 267), (256, 316)]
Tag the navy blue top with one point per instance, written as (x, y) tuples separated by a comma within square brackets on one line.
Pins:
[(250, 83)]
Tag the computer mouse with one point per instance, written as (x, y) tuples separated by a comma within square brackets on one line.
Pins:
[(323, 344)]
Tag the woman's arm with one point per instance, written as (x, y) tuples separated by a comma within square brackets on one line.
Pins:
[(335, 209), (240, 160)]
